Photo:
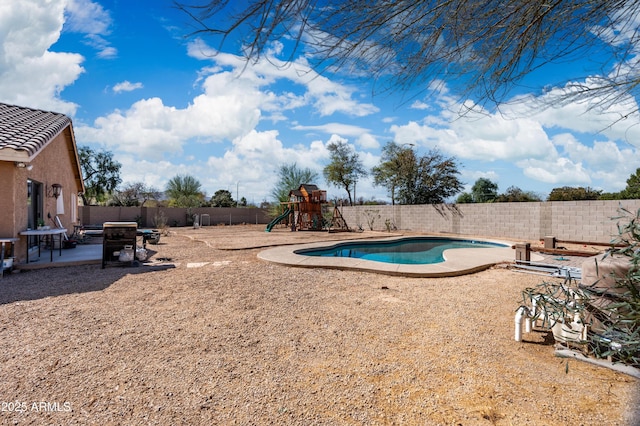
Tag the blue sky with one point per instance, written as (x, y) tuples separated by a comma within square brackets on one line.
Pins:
[(166, 104)]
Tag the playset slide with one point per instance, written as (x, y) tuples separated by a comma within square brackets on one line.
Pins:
[(277, 220)]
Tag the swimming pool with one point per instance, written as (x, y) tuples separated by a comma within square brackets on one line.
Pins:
[(457, 261), (407, 251)]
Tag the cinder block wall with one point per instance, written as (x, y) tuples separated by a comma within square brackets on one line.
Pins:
[(588, 221)]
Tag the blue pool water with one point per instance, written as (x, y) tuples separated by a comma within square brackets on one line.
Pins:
[(408, 251)]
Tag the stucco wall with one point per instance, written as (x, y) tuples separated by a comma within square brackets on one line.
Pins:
[(588, 221), (97, 215), (53, 164), (7, 198)]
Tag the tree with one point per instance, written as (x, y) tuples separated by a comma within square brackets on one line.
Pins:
[(464, 198), (430, 179), (290, 177), (484, 48), (184, 191), (134, 194), (222, 198), (394, 163), (484, 191), (568, 193), (345, 167), (632, 191), (101, 174), (515, 194)]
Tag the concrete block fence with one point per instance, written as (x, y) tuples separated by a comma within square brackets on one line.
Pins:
[(587, 221), (174, 216)]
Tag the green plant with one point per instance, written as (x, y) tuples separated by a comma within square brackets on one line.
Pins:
[(620, 337), (610, 312)]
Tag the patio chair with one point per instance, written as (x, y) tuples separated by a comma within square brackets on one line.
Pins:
[(58, 224)]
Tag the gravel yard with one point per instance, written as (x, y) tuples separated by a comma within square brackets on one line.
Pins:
[(206, 333)]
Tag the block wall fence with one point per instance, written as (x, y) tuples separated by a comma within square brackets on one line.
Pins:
[(148, 216), (586, 221)]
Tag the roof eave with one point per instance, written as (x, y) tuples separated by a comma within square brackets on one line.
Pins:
[(10, 154)]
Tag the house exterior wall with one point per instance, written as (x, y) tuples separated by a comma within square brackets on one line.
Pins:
[(586, 221), (8, 174), (55, 163)]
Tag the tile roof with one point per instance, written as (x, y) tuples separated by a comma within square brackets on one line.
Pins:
[(27, 129)]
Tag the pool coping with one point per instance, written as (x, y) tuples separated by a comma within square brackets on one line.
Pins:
[(457, 261)]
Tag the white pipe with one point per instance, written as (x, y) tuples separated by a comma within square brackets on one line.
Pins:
[(520, 314)]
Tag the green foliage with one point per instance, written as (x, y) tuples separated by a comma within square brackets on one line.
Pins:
[(632, 191), (611, 196), (429, 179), (464, 198), (222, 198), (395, 164), (290, 177), (568, 193), (410, 179), (612, 315), (484, 191), (184, 191), (344, 169), (513, 194), (623, 319), (100, 172)]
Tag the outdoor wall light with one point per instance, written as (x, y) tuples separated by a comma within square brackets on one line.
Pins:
[(55, 190), (22, 165)]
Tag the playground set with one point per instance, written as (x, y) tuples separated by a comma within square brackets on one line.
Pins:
[(304, 211)]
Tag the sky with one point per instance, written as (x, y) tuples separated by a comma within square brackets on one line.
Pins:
[(166, 103)]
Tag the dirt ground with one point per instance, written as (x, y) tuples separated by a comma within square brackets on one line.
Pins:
[(206, 333)]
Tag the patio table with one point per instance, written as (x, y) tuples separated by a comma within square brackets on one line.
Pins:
[(44, 233)]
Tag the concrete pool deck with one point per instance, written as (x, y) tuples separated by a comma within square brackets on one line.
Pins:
[(457, 261)]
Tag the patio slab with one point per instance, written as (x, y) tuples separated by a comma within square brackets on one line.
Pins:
[(82, 254), (457, 261)]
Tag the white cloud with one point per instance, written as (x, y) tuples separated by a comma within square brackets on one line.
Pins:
[(228, 109), (419, 105), (561, 171), (486, 138), (325, 95), (339, 128), (90, 18), (30, 74), (367, 141), (87, 17), (596, 115), (559, 160), (127, 86)]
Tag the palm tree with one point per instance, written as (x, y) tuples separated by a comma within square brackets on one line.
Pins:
[(184, 191)]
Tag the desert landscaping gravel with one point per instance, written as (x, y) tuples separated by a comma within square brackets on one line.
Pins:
[(205, 333)]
